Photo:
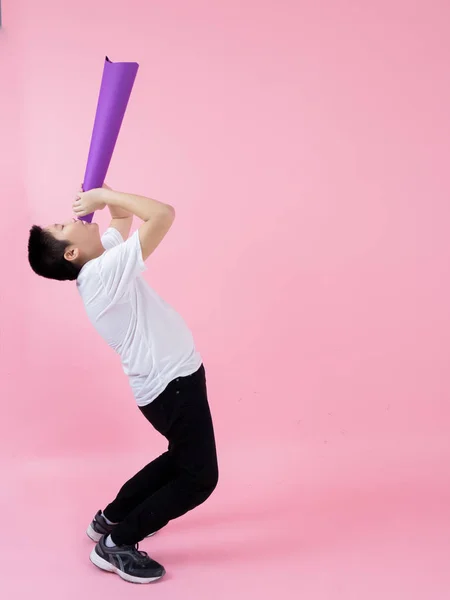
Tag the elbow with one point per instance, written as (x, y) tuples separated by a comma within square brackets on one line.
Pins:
[(170, 213), (164, 215)]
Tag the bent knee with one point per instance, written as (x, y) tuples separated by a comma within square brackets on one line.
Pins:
[(207, 480), (213, 479)]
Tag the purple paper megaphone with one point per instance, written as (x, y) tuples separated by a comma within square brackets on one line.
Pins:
[(115, 90)]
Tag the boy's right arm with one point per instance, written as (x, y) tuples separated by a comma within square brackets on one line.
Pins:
[(157, 216)]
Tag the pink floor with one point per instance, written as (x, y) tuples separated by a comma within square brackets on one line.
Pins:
[(371, 524)]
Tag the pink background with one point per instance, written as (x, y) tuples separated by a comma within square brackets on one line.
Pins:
[(305, 147)]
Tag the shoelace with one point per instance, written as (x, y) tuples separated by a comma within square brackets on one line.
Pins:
[(141, 556)]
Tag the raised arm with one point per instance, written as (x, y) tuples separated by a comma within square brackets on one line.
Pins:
[(157, 216), (121, 220)]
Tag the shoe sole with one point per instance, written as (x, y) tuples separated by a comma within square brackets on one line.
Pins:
[(92, 534), (95, 537), (104, 565)]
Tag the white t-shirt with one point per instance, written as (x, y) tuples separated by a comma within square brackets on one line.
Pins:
[(153, 341)]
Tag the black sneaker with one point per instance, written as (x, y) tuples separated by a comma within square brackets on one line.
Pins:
[(130, 563), (99, 527)]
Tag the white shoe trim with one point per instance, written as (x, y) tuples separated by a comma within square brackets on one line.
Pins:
[(95, 537), (91, 533), (103, 564)]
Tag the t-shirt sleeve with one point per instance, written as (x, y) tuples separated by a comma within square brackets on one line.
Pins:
[(119, 266), (111, 238)]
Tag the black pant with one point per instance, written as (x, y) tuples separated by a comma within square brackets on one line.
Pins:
[(181, 478)]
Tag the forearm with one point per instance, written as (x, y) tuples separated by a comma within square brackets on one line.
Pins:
[(119, 213), (141, 206)]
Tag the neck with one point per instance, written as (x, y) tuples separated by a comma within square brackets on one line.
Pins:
[(98, 251)]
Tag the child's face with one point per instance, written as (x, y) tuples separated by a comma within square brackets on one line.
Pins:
[(85, 237)]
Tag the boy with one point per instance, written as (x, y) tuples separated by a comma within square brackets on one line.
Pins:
[(158, 355)]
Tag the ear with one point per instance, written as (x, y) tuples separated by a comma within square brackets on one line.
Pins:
[(71, 253)]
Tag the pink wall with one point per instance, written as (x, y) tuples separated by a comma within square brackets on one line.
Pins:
[(305, 147), (15, 304)]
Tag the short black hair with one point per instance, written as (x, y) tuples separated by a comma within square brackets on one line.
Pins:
[(46, 256)]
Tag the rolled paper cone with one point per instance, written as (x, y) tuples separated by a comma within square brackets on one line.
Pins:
[(115, 90)]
